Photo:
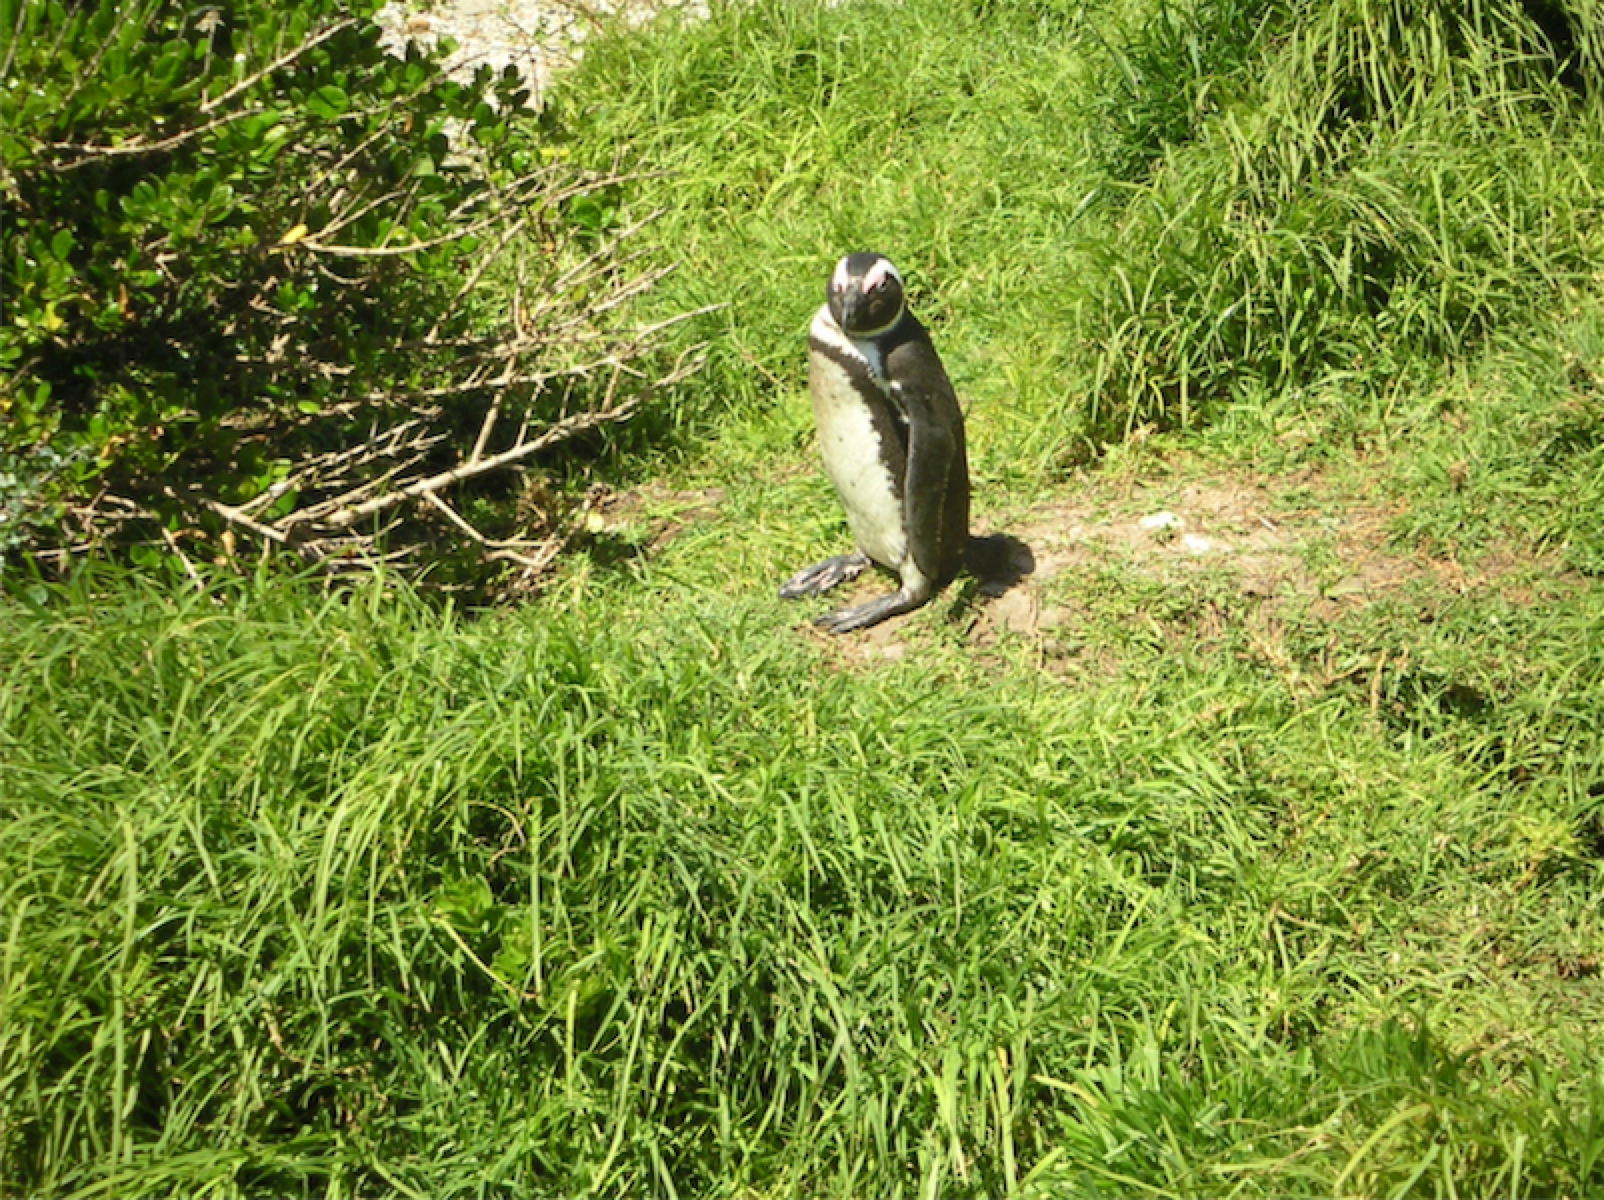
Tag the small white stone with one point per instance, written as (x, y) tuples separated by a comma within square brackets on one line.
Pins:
[(1196, 543), (1160, 521)]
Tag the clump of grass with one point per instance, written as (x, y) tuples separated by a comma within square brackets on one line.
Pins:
[(944, 134), (1404, 179), (1163, 70), (1511, 449), (1111, 217)]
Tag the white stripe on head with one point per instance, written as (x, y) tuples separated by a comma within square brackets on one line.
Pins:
[(879, 272), (838, 281)]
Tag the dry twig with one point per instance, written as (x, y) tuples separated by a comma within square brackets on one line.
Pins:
[(400, 472)]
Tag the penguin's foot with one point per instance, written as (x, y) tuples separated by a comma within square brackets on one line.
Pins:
[(821, 577), (861, 616)]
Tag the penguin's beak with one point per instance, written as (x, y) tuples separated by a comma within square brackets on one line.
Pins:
[(850, 299)]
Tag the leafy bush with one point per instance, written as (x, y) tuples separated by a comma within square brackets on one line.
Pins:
[(243, 255), (1402, 179)]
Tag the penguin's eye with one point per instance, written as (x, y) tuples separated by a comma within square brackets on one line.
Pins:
[(875, 284)]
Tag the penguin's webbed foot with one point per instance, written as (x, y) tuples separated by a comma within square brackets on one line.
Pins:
[(821, 577), (861, 616)]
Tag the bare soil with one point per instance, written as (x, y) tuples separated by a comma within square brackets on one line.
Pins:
[(1273, 549)]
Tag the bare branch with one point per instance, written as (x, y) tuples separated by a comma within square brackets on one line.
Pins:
[(313, 513), (607, 413), (562, 431), (189, 567), (339, 251), (89, 153), (485, 429), (356, 214), (126, 14), (679, 319), (475, 275), (510, 548), (235, 516), (546, 198)]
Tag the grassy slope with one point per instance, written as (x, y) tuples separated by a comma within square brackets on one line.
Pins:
[(642, 888)]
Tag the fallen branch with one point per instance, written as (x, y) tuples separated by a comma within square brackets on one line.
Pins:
[(563, 430)]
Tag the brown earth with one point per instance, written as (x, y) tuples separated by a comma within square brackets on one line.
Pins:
[(1271, 550)]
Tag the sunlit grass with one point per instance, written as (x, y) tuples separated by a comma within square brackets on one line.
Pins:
[(640, 889), (348, 895)]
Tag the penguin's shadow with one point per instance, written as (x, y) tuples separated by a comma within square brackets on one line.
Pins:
[(997, 563)]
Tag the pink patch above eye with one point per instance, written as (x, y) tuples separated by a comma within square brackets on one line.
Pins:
[(875, 277)]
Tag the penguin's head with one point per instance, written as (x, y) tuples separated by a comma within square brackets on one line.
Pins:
[(865, 295)]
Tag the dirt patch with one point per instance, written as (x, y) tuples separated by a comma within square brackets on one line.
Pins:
[(1272, 550), (1255, 534), (652, 515), (1160, 529)]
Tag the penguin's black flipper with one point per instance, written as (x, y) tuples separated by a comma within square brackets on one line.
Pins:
[(931, 452), (821, 577)]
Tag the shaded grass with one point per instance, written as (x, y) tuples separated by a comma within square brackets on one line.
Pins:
[(1336, 189)]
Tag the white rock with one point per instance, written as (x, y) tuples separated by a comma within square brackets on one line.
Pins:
[(535, 37), (1160, 521)]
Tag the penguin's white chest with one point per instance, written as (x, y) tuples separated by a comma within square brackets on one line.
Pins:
[(855, 458)]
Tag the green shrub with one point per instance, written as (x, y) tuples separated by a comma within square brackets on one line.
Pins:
[(243, 251)]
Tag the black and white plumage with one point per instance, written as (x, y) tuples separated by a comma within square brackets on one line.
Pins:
[(892, 438)]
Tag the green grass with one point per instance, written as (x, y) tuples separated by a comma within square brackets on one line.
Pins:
[(348, 896), (642, 889), (947, 137), (1117, 215)]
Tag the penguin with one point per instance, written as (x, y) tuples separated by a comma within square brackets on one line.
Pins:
[(891, 434)]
